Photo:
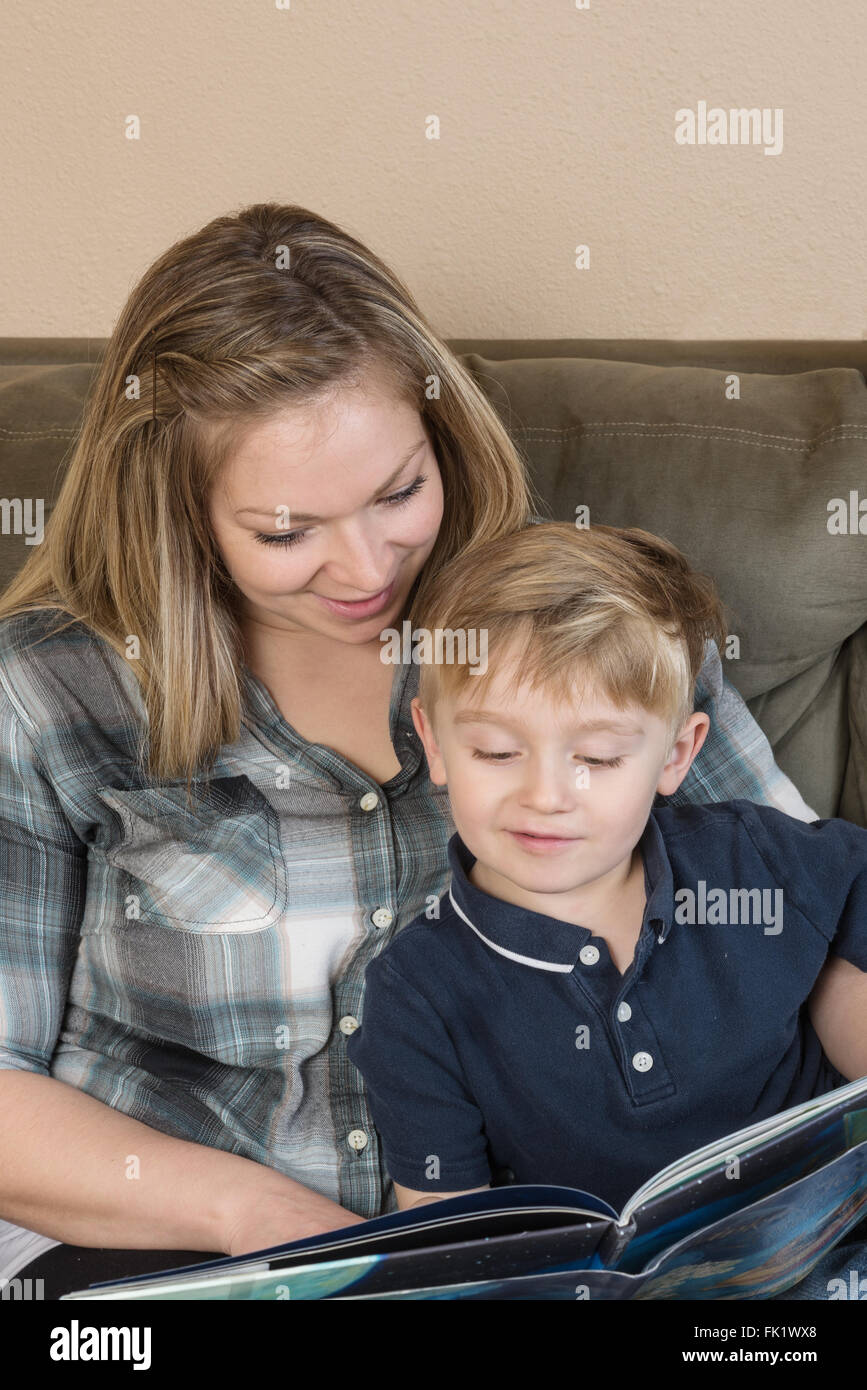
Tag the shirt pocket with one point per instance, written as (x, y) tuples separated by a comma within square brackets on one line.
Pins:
[(214, 865)]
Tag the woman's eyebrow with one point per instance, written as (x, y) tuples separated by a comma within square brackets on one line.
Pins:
[(307, 516)]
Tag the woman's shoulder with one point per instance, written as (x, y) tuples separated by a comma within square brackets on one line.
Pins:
[(55, 670)]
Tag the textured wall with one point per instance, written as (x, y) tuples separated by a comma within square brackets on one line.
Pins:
[(556, 129)]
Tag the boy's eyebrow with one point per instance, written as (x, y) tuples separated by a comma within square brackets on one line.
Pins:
[(483, 716), (307, 516)]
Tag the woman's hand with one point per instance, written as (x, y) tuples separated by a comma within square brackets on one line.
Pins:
[(279, 1215)]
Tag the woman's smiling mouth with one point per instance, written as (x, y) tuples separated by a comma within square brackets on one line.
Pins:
[(360, 608)]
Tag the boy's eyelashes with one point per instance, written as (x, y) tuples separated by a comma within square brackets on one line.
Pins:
[(588, 762)]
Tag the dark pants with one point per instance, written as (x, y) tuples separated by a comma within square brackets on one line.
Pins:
[(69, 1268)]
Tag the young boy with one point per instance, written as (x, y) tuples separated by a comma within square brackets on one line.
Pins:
[(610, 981)]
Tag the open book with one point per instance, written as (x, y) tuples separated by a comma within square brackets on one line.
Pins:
[(742, 1218)]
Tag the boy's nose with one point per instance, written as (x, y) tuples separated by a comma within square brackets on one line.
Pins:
[(550, 788)]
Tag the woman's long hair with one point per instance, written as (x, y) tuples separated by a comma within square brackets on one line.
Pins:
[(271, 307)]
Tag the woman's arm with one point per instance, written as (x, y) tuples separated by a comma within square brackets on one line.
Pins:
[(71, 1166), (85, 1174), (407, 1198)]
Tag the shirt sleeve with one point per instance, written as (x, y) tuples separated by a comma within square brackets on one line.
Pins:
[(822, 869), (431, 1129), (43, 874), (736, 760), (850, 938)]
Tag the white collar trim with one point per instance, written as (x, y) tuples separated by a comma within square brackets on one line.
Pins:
[(511, 955)]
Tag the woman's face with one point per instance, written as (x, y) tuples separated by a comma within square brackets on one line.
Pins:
[(349, 498)]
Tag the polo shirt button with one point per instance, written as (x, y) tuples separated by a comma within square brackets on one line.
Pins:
[(642, 1061), (348, 1024), (382, 917), (588, 955), (623, 1012), (357, 1139), (369, 801)]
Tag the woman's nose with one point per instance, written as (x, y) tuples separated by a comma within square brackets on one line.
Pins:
[(360, 561)]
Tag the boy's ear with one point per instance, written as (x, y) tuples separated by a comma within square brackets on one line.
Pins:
[(424, 729), (683, 753)]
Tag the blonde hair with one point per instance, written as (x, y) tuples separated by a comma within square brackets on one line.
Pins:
[(606, 608), (226, 336)]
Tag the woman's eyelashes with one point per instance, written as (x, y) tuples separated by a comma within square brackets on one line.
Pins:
[(588, 762), (397, 499)]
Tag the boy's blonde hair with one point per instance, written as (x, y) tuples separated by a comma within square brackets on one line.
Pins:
[(613, 609)]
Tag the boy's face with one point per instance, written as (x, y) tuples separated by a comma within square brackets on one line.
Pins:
[(581, 776)]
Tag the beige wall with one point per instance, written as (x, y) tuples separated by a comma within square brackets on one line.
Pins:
[(557, 128)]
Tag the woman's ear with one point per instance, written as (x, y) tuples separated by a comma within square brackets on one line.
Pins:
[(424, 729), (683, 753)]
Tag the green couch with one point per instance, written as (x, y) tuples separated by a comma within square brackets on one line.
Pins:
[(643, 434)]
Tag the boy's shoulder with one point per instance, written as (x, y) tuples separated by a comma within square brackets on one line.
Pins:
[(769, 823), (820, 855), (424, 940)]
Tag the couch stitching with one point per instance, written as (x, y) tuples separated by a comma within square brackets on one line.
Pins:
[(37, 434), (825, 435), (688, 424), (751, 443)]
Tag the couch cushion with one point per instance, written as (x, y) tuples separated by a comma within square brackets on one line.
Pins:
[(40, 415), (742, 487)]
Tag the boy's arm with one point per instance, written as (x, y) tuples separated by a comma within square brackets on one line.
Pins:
[(431, 1130), (838, 1011), (407, 1198)]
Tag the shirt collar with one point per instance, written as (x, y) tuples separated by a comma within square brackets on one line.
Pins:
[(533, 938), (405, 740)]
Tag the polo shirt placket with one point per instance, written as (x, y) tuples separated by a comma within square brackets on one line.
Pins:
[(617, 998), (614, 998)]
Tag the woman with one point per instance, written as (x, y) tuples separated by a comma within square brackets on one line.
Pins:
[(213, 804)]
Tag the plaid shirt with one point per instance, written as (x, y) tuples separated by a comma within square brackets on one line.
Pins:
[(202, 972)]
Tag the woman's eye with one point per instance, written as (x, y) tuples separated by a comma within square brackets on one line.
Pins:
[(285, 538), (397, 499)]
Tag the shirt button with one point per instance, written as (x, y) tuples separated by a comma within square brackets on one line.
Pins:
[(588, 955), (356, 1139), (348, 1024), (642, 1061), (369, 801), (382, 917), (623, 1012)]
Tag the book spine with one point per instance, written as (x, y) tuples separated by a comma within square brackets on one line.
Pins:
[(615, 1241)]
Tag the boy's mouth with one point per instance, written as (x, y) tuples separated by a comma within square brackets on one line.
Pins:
[(530, 840)]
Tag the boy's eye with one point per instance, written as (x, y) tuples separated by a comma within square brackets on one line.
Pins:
[(589, 762), (397, 499)]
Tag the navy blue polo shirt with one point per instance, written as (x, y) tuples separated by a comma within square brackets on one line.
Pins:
[(503, 1045)]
